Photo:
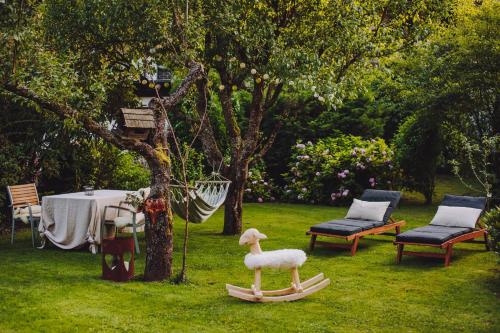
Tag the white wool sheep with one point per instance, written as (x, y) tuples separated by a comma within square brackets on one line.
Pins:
[(279, 259)]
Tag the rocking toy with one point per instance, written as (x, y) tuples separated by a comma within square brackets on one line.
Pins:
[(280, 259)]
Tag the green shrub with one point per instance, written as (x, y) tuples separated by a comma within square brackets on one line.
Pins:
[(336, 169), (130, 172), (259, 188), (492, 221), (418, 147)]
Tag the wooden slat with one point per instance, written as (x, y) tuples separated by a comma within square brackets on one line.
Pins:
[(25, 198), (23, 190), (16, 187)]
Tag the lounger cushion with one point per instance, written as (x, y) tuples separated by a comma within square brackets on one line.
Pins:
[(345, 227), (367, 210), (464, 201), (464, 217), (382, 195), (431, 234)]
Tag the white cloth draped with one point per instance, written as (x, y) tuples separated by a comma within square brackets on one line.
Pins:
[(73, 219)]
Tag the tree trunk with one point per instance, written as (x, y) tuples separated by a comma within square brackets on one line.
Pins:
[(159, 227), (233, 207)]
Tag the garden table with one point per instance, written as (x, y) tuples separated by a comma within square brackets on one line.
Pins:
[(72, 220)]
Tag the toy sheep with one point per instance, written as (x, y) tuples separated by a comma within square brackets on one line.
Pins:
[(279, 259)]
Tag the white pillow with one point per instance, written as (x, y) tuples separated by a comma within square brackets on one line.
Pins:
[(464, 217), (367, 210)]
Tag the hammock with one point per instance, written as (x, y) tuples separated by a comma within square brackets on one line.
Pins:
[(204, 198)]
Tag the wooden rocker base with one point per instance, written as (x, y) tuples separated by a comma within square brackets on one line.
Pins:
[(281, 295)]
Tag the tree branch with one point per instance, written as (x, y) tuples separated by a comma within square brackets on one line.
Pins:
[(88, 123), (196, 71), (207, 135)]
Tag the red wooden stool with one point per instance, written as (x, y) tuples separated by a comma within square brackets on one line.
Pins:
[(120, 270)]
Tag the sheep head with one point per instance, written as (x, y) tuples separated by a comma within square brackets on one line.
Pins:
[(251, 236)]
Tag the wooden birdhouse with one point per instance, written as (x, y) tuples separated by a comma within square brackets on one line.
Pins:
[(136, 123)]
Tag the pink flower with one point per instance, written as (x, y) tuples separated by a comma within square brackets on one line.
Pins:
[(304, 189), (318, 173), (345, 193), (333, 197), (346, 172), (260, 200), (363, 151), (371, 180)]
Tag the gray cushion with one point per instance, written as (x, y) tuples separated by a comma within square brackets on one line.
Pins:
[(345, 227), (464, 201), (431, 234), (381, 195)]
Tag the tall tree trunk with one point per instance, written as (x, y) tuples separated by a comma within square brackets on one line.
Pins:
[(159, 226), (233, 207)]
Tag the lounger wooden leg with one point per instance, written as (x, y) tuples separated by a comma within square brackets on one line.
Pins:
[(447, 258), (354, 246), (400, 253), (312, 242), (486, 243), (257, 283), (398, 229)]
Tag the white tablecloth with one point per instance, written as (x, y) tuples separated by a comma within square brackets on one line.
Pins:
[(73, 219)]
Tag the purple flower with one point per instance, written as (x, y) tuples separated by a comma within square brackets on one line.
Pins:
[(304, 189), (333, 197), (368, 159), (353, 153), (265, 183), (363, 151), (346, 172), (318, 173), (371, 180), (260, 200), (345, 193)]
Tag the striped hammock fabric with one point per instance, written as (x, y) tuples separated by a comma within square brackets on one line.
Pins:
[(204, 199)]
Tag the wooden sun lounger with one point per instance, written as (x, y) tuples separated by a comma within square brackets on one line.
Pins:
[(353, 237), (447, 246), (465, 236), (393, 224)]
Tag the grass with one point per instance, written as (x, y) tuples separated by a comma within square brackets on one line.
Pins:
[(61, 291)]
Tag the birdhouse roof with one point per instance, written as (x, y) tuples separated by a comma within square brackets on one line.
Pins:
[(138, 118)]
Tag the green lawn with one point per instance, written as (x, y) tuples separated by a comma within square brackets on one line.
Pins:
[(61, 291)]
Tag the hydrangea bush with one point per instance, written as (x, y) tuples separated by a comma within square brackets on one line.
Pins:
[(334, 170), (259, 187)]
